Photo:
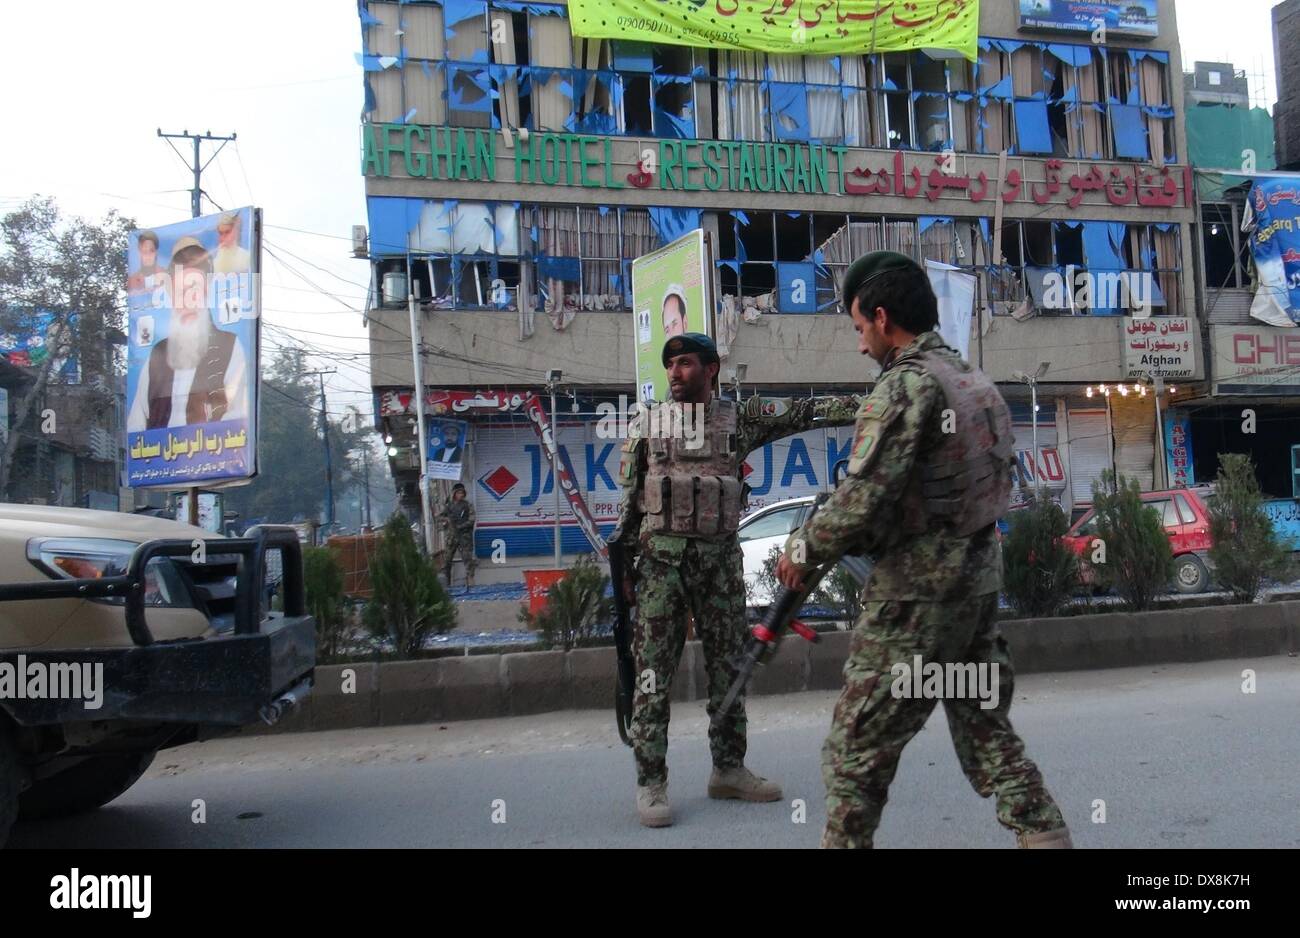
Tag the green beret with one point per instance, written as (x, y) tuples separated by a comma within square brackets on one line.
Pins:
[(688, 342), (870, 266)]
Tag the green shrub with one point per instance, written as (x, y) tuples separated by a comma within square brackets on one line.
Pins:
[(575, 607), (1138, 560), (323, 584), (1040, 572), (409, 602), (1246, 547)]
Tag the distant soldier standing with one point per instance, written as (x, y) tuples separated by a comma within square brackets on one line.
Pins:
[(458, 521), (682, 501), (929, 475)]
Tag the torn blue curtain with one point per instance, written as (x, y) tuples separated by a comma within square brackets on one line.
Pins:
[(1103, 244), (369, 63), (392, 220), (671, 223), (633, 56), (927, 221), (370, 102), (1070, 54), (1130, 131), (469, 89), (559, 268), (1033, 134), (367, 18), (740, 216), (1002, 89), (457, 11), (536, 9), (790, 111), (673, 126)]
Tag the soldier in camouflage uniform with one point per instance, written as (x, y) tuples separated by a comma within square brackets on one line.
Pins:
[(458, 521), (929, 475), (682, 501)]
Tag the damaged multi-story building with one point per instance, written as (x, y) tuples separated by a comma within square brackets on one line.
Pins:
[(513, 171)]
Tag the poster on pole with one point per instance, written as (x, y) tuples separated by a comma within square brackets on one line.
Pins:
[(193, 352), (446, 452), (670, 290)]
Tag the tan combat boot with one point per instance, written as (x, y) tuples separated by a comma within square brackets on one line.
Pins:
[(1058, 839), (743, 784), (652, 805)]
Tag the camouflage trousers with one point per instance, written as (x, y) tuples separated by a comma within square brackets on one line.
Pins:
[(707, 586), (462, 543), (871, 725)]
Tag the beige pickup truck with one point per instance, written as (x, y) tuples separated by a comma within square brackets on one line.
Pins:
[(122, 635)]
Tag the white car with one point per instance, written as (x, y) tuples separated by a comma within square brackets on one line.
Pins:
[(770, 527)]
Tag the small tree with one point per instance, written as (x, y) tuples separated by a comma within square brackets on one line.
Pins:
[(839, 591), (1246, 547), (1039, 570), (323, 583), (575, 608), (1139, 562), (409, 602)]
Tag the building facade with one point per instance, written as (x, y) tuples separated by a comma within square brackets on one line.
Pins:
[(513, 172)]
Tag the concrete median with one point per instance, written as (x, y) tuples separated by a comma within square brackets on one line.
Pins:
[(496, 685)]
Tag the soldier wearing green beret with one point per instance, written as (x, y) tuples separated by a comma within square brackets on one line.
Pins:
[(929, 475), (683, 494)]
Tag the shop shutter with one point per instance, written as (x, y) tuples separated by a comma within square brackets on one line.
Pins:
[(1089, 435), (1133, 422)]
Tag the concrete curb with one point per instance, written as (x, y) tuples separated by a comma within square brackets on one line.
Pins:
[(498, 685)]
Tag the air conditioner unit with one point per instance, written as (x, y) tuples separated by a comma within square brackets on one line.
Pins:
[(359, 247)]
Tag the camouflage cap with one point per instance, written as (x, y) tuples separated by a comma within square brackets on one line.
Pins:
[(688, 342), (868, 267)]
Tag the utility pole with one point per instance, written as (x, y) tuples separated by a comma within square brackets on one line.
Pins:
[(197, 192), (325, 437), (365, 455), (196, 209)]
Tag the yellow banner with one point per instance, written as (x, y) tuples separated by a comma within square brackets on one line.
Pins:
[(806, 27)]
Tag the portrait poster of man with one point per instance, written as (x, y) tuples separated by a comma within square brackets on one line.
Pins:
[(192, 365), (669, 291), (447, 448)]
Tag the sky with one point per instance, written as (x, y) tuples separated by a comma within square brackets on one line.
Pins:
[(87, 89)]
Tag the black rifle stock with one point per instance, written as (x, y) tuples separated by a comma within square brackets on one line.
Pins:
[(625, 680)]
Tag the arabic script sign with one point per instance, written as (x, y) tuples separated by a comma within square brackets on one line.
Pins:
[(1161, 346), (415, 151), (812, 27)]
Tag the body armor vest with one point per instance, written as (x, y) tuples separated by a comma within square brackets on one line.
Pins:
[(966, 480), (692, 484)]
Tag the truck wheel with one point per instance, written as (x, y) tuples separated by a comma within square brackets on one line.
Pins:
[(1190, 575), (10, 782), (87, 785)]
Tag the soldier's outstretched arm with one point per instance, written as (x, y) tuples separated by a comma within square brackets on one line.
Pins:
[(764, 419), (892, 424)]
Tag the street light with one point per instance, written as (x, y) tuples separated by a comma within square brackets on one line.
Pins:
[(552, 379), (1032, 381)]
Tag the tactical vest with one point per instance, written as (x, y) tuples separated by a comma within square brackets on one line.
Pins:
[(966, 480), (692, 484), (207, 398), (458, 515)]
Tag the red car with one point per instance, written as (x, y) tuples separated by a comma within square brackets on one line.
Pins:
[(1187, 523)]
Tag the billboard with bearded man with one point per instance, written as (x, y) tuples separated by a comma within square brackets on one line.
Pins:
[(192, 366)]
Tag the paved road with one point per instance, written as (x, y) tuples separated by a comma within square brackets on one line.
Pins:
[(1180, 755)]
